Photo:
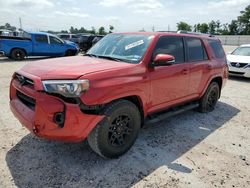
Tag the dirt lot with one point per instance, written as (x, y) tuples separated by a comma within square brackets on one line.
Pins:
[(188, 150)]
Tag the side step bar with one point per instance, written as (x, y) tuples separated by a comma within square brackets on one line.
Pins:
[(171, 112)]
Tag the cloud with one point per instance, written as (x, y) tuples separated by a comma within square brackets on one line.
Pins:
[(30, 3), (112, 18), (139, 6), (74, 14), (113, 3), (226, 3)]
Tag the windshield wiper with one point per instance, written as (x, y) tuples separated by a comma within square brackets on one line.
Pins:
[(110, 58), (91, 55)]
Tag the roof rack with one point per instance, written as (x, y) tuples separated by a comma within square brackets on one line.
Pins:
[(168, 31), (194, 33)]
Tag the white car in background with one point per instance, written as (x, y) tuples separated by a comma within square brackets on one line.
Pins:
[(239, 61)]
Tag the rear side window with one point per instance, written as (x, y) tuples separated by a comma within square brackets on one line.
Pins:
[(217, 48), (172, 46), (195, 49), (41, 38)]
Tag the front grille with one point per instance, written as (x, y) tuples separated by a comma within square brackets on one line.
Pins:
[(239, 73), (28, 101), (24, 80), (239, 65)]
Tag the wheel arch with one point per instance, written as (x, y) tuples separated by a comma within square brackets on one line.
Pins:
[(136, 100), (18, 49), (218, 80)]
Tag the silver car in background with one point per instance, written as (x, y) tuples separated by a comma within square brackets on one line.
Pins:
[(239, 61)]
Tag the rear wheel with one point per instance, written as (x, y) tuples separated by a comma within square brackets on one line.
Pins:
[(116, 134), (210, 98), (17, 54)]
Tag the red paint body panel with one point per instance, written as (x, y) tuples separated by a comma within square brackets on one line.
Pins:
[(157, 88)]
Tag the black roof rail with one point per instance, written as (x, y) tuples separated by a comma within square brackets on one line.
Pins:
[(194, 33)]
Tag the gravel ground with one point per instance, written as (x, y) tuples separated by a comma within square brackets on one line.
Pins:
[(188, 150)]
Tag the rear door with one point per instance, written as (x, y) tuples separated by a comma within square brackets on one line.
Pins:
[(40, 44), (169, 84), (200, 65)]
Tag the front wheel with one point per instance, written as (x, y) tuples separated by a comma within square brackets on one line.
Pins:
[(210, 98), (70, 53), (116, 134)]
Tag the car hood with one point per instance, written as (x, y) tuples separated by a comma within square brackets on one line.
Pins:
[(71, 67), (70, 43), (238, 58)]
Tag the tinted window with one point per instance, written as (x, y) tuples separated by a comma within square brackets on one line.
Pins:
[(41, 38), (172, 46), (195, 49), (217, 48), (54, 40)]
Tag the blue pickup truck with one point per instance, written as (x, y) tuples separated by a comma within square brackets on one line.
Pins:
[(36, 44)]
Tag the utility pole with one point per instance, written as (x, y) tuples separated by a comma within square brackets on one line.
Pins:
[(168, 28), (20, 22), (153, 28)]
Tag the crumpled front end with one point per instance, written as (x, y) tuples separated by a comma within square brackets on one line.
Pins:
[(48, 116)]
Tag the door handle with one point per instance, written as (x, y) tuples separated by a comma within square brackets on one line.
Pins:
[(209, 67), (185, 71)]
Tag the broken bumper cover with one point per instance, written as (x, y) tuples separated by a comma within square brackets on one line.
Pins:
[(41, 122)]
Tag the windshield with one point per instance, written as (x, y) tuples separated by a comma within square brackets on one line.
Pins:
[(124, 47), (244, 51)]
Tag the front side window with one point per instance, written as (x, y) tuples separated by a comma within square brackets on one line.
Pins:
[(41, 38), (130, 48), (172, 46), (196, 50), (54, 40), (244, 51)]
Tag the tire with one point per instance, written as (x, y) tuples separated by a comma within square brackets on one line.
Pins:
[(210, 98), (17, 54), (116, 134), (70, 53)]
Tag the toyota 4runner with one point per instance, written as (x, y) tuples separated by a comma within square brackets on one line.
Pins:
[(124, 81)]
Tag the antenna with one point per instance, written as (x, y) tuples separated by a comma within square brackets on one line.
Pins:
[(20, 22)]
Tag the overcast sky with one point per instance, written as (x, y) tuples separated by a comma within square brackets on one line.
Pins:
[(124, 15)]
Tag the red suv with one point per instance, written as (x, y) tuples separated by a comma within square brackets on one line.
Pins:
[(125, 80)]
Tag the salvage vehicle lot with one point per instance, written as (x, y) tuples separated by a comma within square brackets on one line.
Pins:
[(188, 150)]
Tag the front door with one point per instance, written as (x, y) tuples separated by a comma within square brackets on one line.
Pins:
[(169, 84), (56, 46)]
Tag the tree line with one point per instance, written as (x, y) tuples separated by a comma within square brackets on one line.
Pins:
[(101, 30), (239, 26)]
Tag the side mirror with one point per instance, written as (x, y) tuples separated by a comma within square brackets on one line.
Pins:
[(163, 60)]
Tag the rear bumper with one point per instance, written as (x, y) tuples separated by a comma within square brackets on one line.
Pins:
[(40, 119), (241, 72)]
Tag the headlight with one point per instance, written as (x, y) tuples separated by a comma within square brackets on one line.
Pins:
[(67, 88), (228, 63)]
